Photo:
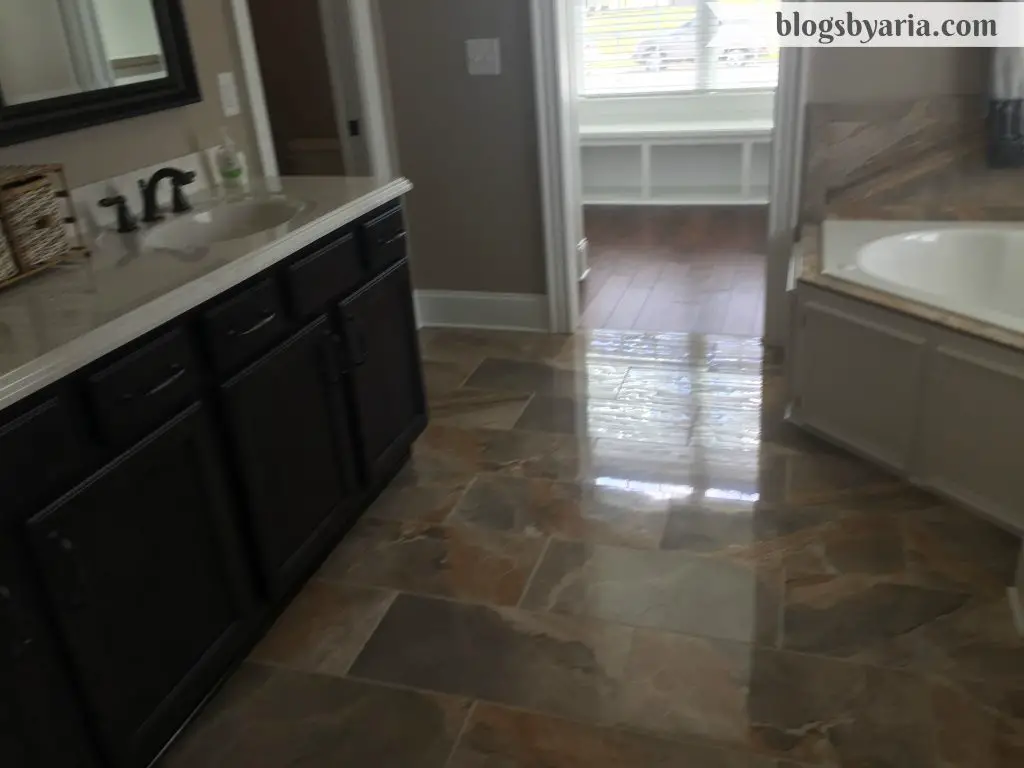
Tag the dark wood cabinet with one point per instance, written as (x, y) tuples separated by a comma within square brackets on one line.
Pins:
[(290, 436), (384, 370), (229, 448), (41, 724), (144, 573)]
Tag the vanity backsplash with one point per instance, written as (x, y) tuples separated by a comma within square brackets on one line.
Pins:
[(919, 159)]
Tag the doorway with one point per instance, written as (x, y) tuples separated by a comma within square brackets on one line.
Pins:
[(671, 181), (309, 82), (674, 136)]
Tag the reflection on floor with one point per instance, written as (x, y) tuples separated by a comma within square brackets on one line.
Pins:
[(609, 551), (695, 270)]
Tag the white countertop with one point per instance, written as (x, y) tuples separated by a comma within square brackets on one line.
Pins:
[(64, 319)]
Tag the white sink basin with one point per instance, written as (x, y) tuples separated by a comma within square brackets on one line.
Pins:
[(228, 221)]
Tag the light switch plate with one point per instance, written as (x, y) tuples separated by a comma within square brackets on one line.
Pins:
[(229, 94), (483, 56)]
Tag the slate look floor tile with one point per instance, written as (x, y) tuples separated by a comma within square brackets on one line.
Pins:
[(537, 507), (610, 550), (459, 562)]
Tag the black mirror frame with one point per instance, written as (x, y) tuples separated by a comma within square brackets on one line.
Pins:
[(49, 117)]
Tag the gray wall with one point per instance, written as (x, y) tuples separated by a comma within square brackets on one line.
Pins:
[(109, 150), (469, 144), (849, 75)]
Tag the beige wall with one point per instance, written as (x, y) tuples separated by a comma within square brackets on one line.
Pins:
[(469, 144), (109, 150), (847, 75)]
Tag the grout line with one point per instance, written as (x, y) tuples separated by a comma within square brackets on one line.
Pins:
[(533, 573), (462, 732), (372, 632), (668, 631)]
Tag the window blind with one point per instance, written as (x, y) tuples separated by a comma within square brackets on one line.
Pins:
[(658, 46)]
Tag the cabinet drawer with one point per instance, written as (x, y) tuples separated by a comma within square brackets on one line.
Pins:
[(144, 389), (240, 329), (315, 280), (385, 240), (43, 453)]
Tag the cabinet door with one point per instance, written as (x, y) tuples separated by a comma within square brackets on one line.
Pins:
[(145, 575), (291, 440), (859, 373), (41, 725), (384, 370)]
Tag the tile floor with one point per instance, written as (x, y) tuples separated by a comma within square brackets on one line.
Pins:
[(685, 269), (609, 551)]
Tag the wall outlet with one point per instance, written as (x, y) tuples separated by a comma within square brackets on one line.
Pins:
[(229, 94), (483, 56)]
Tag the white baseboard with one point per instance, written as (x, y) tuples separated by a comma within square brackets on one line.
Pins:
[(473, 309)]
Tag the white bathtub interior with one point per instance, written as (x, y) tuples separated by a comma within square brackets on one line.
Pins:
[(972, 269)]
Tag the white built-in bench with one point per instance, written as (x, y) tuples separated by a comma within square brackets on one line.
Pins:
[(633, 155)]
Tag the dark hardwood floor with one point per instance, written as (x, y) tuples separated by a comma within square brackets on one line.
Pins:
[(696, 270)]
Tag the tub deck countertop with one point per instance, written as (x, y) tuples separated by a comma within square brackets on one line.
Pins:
[(810, 269)]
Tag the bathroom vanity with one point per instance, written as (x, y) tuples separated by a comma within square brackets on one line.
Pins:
[(183, 438)]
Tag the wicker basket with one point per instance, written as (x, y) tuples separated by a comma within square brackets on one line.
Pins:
[(39, 228), (8, 266)]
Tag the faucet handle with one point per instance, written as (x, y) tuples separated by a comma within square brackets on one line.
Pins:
[(180, 203), (126, 221)]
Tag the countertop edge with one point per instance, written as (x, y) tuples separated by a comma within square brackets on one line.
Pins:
[(30, 378)]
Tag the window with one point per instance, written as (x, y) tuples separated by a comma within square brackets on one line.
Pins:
[(658, 46)]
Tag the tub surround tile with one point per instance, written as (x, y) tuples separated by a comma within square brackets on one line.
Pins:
[(460, 562), (268, 718)]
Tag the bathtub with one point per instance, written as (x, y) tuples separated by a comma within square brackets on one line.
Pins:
[(973, 269), (931, 388)]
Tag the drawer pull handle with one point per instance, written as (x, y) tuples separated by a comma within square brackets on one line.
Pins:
[(168, 382), (260, 324), (384, 243), (22, 634)]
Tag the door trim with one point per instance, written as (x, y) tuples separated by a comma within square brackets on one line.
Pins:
[(372, 81), (559, 244), (254, 87)]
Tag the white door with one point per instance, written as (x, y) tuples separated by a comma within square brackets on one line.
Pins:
[(344, 75), (571, 31)]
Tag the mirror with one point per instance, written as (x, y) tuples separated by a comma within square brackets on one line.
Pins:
[(66, 64)]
